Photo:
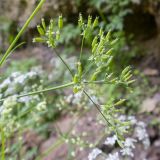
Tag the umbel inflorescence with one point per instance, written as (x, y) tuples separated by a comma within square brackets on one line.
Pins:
[(98, 70)]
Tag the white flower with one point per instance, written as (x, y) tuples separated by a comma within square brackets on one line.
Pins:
[(122, 118), (146, 143), (114, 156), (10, 102), (31, 74), (77, 98), (141, 134), (20, 79), (129, 142), (95, 152), (25, 99), (127, 151), (5, 83), (15, 74), (141, 124), (73, 154), (140, 131), (69, 98), (128, 147), (132, 119), (41, 106), (110, 140)]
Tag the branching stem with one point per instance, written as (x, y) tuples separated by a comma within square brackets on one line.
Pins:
[(44, 90)]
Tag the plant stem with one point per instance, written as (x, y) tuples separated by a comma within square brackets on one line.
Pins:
[(100, 82), (3, 144), (44, 90), (63, 61), (7, 53), (97, 106), (82, 48), (57, 144)]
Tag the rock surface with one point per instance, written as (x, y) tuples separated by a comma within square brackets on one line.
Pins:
[(21, 9)]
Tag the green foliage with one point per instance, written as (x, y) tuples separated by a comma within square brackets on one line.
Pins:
[(5, 25), (15, 66), (116, 10)]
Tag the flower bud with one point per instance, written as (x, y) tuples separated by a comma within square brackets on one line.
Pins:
[(76, 78), (101, 32), (94, 48), (75, 89), (121, 101), (109, 52), (108, 36), (94, 41), (94, 76), (60, 22), (57, 35), (89, 21), (43, 23), (95, 23), (51, 25), (125, 70), (40, 30), (39, 40), (80, 20)]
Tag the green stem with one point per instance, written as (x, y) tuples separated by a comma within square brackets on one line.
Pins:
[(21, 32), (81, 48), (63, 61), (42, 91), (3, 144), (98, 82), (57, 144), (97, 106)]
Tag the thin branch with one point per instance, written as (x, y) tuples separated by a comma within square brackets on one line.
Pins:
[(44, 90), (63, 61), (82, 44), (97, 106)]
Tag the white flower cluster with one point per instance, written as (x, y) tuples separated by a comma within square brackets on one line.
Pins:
[(95, 152), (80, 99), (111, 140), (75, 99), (16, 83), (59, 71), (13, 109), (114, 156), (140, 134), (128, 147), (8, 105)]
